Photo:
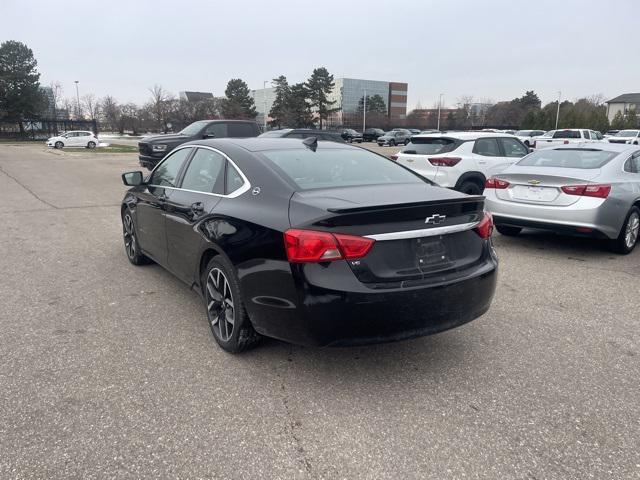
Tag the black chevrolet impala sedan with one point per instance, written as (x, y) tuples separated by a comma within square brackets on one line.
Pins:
[(315, 243)]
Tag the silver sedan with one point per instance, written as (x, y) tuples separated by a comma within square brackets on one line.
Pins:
[(588, 190)]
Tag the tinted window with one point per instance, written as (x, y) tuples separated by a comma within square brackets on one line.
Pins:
[(218, 130), (627, 133), (430, 146), (586, 134), (633, 164), (203, 171), (513, 148), (193, 128), (487, 147), (567, 134), (234, 180), (338, 168), (167, 172), (568, 158), (241, 130)]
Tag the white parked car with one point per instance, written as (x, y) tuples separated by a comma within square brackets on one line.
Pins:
[(555, 138), (76, 138), (528, 137), (461, 160), (632, 137)]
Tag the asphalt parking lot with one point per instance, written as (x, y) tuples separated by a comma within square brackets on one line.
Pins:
[(109, 370)]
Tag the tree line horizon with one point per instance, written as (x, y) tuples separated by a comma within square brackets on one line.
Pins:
[(300, 105)]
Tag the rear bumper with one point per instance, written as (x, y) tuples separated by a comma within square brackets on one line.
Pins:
[(602, 217), (323, 316)]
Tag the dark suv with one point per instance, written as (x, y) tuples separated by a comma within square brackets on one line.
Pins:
[(372, 134), (350, 135), (153, 149), (303, 133)]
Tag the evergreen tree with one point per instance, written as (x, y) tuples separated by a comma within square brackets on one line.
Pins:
[(238, 102), (298, 112), (375, 104), (20, 94), (318, 87), (631, 119), (618, 122), (280, 107)]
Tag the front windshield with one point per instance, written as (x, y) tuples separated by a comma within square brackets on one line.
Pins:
[(523, 133), (627, 133), (194, 128)]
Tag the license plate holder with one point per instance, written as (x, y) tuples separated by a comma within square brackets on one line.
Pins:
[(430, 251)]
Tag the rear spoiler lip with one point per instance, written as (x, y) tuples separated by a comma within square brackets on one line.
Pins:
[(396, 206)]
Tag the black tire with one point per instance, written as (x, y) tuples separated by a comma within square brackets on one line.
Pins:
[(470, 188), (508, 231), (91, 145), (242, 335), (392, 143), (130, 237), (58, 145), (628, 238)]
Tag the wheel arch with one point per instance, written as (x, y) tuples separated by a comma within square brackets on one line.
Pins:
[(477, 177)]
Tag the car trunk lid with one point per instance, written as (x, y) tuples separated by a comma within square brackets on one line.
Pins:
[(420, 230)]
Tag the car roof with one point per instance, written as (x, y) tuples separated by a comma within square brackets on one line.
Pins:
[(604, 146), (258, 144), (463, 135)]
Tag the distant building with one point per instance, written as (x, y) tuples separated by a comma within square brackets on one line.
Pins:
[(623, 103), (347, 94), (263, 99), (195, 96)]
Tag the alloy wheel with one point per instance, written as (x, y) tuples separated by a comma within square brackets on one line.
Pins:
[(220, 304), (129, 234), (631, 233)]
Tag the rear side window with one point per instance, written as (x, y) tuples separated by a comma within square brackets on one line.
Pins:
[(430, 146), (568, 158), (633, 164), (338, 168), (487, 147), (513, 148), (234, 180), (241, 130), (567, 134), (204, 172)]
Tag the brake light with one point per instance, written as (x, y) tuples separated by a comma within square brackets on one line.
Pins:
[(566, 142), (485, 227), (595, 190), (303, 246), (444, 161), (394, 157), (493, 182)]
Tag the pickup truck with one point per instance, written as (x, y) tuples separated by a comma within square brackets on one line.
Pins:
[(155, 148), (555, 138)]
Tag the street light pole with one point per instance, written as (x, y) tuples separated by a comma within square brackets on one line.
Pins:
[(78, 100), (558, 110), (364, 112), (439, 106), (264, 97)]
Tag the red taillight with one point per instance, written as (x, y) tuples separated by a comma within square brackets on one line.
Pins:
[(444, 161), (493, 182), (595, 190), (485, 227), (566, 142), (393, 157), (311, 246)]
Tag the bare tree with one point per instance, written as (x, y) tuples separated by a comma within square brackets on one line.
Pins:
[(161, 103), (91, 105), (56, 94), (111, 113)]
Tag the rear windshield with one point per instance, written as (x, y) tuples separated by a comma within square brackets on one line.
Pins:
[(567, 158), (430, 146), (567, 134), (627, 133), (274, 133), (338, 168)]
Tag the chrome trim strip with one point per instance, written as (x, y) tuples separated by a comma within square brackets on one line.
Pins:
[(246, 186), (424, 232)]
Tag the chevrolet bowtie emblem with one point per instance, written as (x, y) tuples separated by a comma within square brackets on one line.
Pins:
[(435, 219), (534, 182)]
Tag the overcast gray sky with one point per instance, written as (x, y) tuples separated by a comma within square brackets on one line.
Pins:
[(489, 49)]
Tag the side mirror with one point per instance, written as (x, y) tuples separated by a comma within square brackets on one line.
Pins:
[(208, 135), (531, 150), (132, 179)]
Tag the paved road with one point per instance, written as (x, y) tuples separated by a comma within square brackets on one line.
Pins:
[(108, 370)]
